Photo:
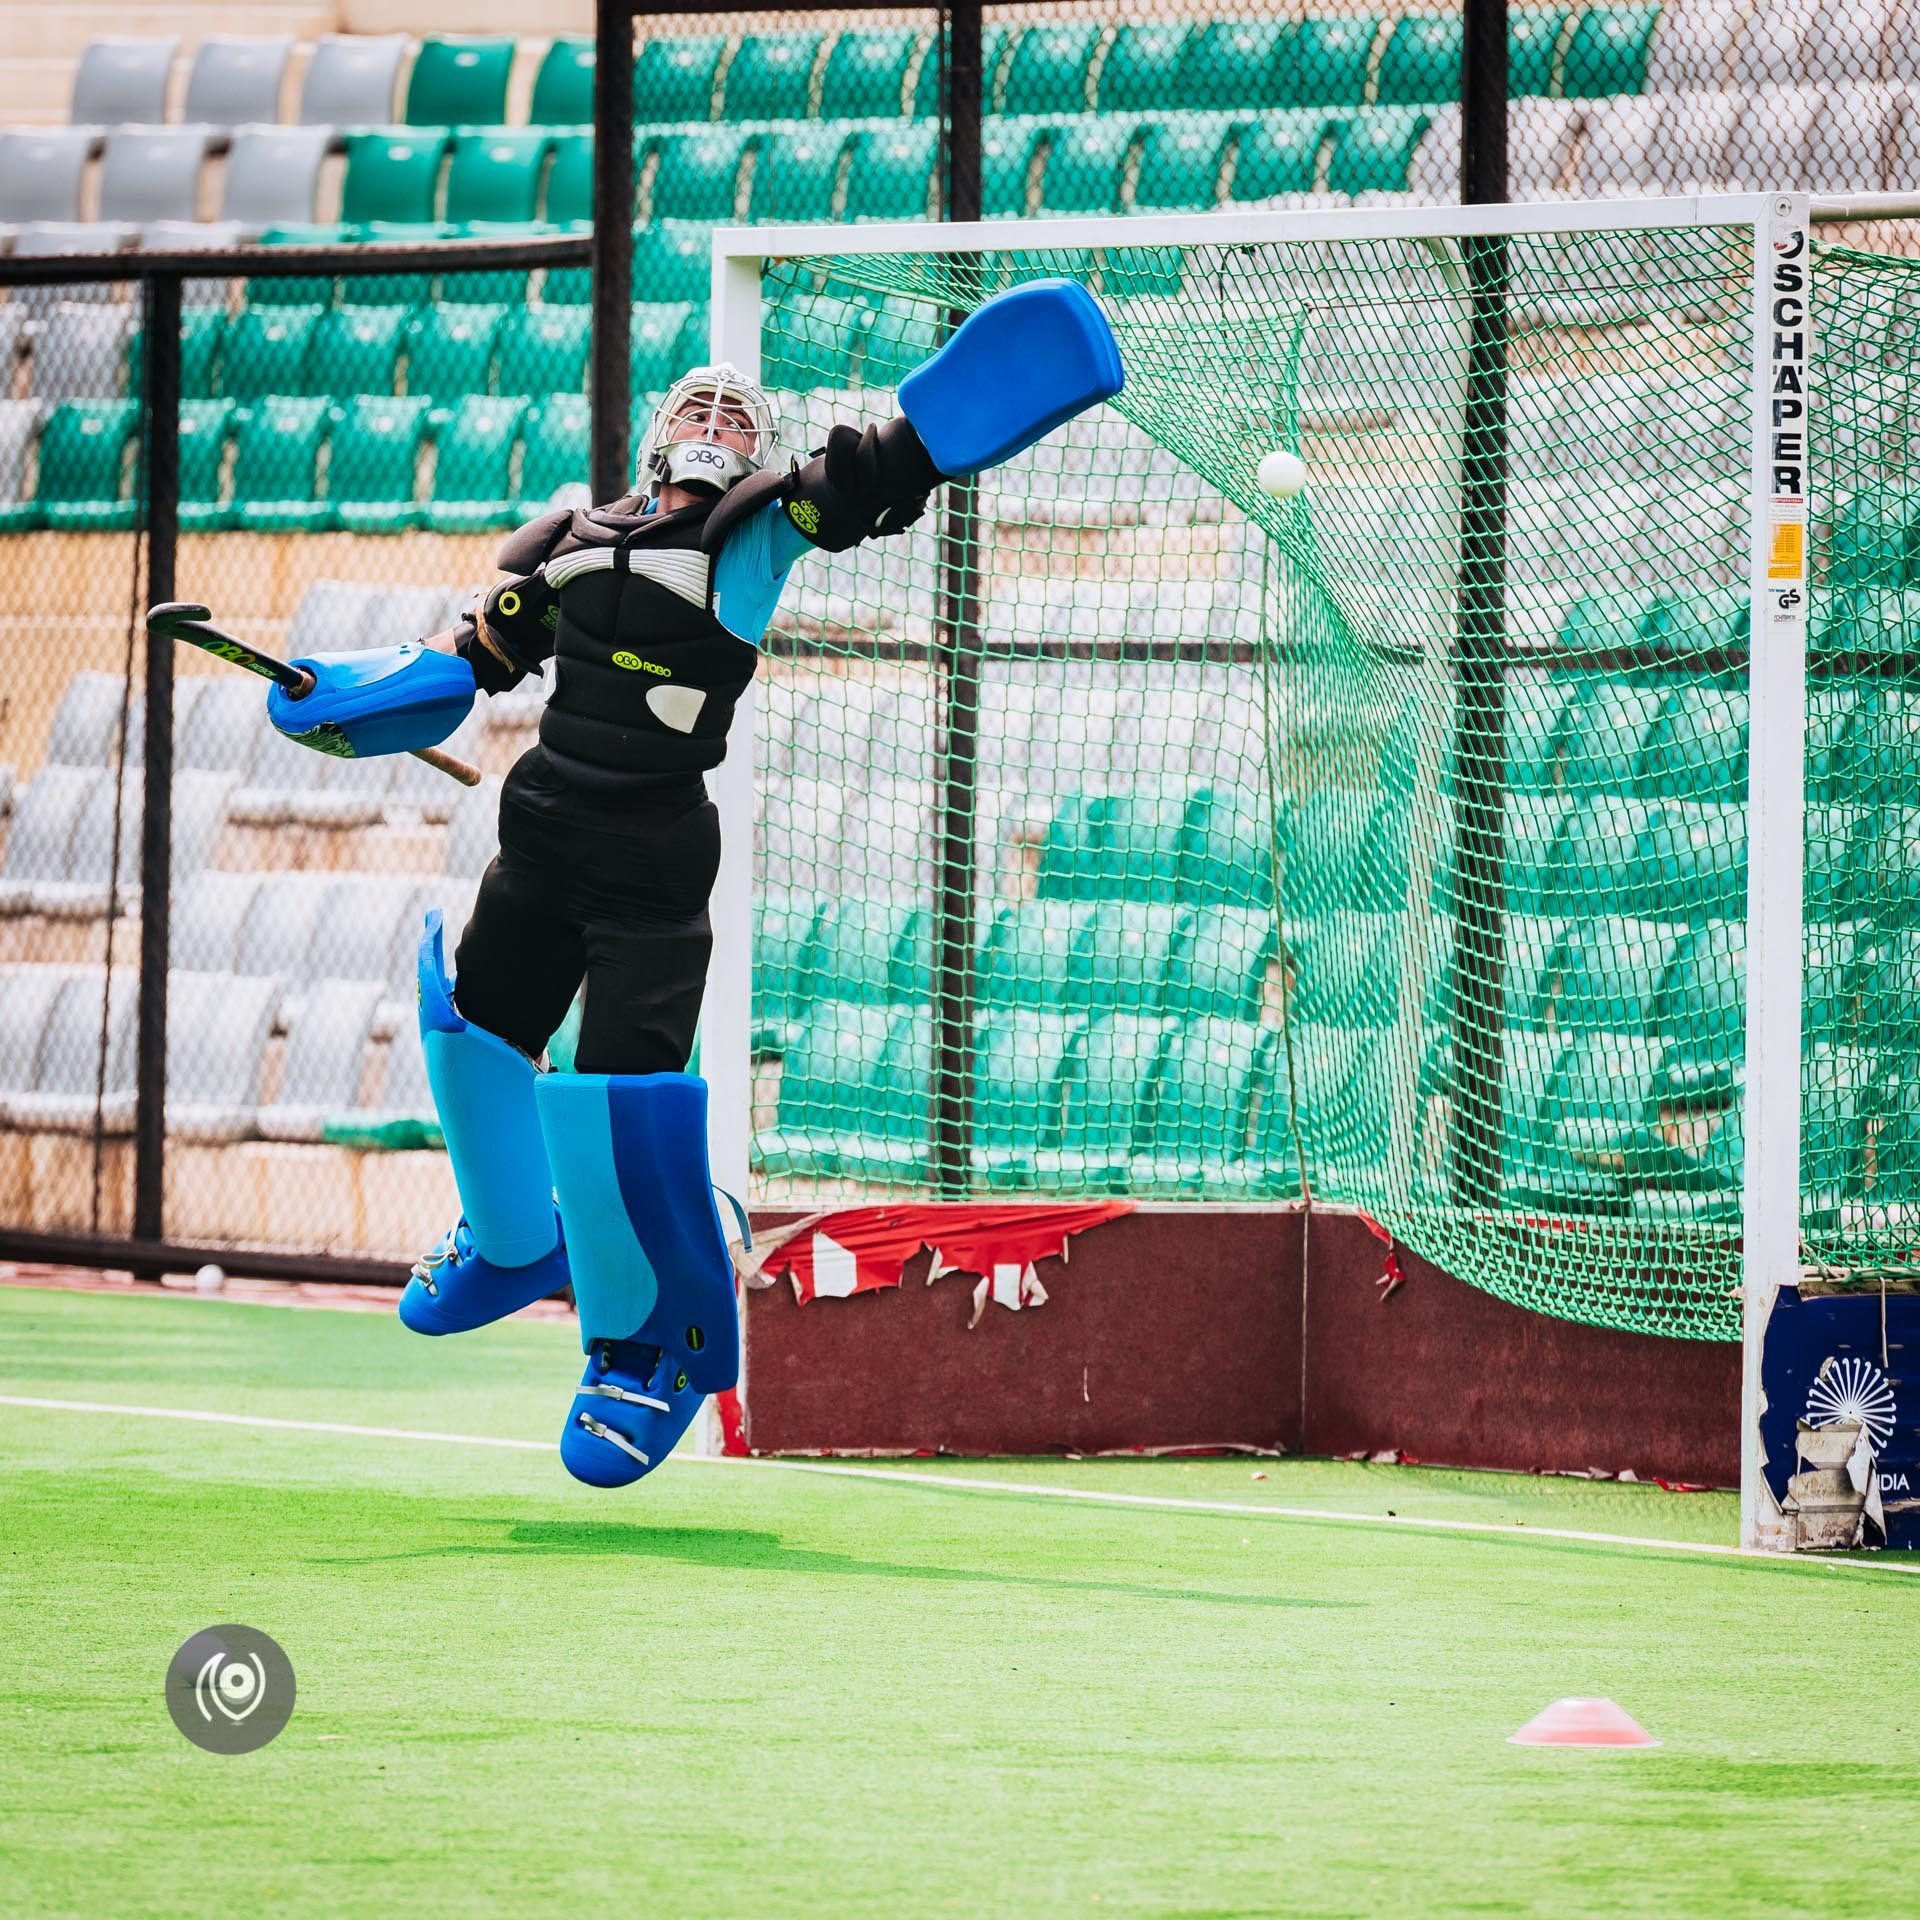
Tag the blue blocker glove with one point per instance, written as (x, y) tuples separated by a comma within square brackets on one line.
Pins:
[(387, 700)]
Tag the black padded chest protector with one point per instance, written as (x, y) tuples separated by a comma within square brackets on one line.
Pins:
[(645, 676)]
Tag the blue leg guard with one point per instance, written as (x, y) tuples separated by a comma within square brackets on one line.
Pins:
[(505, 1252), (651, 1272)]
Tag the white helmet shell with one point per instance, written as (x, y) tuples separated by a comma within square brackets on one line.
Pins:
[(703, 461)]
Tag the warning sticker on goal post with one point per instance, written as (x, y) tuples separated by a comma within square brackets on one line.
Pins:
[(1787, 557)]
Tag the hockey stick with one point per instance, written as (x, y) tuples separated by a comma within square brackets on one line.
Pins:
[(182, 620)]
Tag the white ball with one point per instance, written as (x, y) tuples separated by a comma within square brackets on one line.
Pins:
[(209, 1279), (1281, 473)]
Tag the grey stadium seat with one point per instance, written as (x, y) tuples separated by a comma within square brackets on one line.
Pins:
[(67, 1070), (1851, 139), (81, 353), (194, 236), (277, 935), (369, 919), (86, 723), (18, 419), (334, 616), (63, 236), (27, 995), (236, 79), (326, 1050), (218, 735), (273, 175), (473, 831), (351, 79), (40, 173), (401, 614), (1692, 46), (1768, 145), (44, 819), (82, 890), (122, 81), (217, 1027), (152, 173), (1614, 154), (208, 915), (1690, 146), (419, 788)]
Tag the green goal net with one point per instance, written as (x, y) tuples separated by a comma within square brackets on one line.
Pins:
[(1129, 829)]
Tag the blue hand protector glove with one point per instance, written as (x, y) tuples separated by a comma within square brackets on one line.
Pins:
[(387, 700)]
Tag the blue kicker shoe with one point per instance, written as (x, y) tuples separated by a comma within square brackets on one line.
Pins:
[(455, 1288), (633, 1405)]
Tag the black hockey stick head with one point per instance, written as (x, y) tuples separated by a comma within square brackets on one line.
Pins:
[(186, 622)]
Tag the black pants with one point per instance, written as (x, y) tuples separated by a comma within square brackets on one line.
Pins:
[(626, 912)]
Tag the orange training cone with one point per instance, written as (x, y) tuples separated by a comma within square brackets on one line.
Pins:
[(1582, 1723)]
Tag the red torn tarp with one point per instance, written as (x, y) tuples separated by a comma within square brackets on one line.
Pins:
[(866, 1248)]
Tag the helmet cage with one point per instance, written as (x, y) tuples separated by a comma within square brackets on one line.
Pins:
[(705, 461)]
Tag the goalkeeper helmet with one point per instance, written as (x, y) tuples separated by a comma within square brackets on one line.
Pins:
[(713, 428)]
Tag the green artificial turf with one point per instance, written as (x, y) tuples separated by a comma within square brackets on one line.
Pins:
[(742, 1690)]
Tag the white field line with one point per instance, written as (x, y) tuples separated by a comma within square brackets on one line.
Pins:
[(957, 1483)]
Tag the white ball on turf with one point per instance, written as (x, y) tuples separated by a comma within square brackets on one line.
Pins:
[(209, 1279), (1281, 473)]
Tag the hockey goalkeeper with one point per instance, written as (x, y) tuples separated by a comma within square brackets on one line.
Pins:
[(650, 609)]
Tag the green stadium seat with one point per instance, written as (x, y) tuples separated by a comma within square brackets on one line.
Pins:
[(372, 478), (1020, 1068), (897, 338), (1323, 835), (1347, 967), (495, 175), (866, 74), (1228, 855), (393, 289), (1833, 1004), (473, 466), (1051, 68), (891, 174), (1535, 955), (206, 430), (563, 88), (356, 350), (1608, 52), (1615, 970), (1699, 1013), (392, 175), (84, 470), (872, 951), (1886, 987), (1716, 619), (1086, 166), (1327, 63), (810, 339), (1884, 622), (1238, 63), (1527, 1063), (831, 1087), (668, 338), (460, 80), (786, 978), (1025, 956), (1842, 1106), (266, 351), (295, 290), (1373, 152), (1141, 73), (672, 260), (1421, 60), (1839, 839), (1879, 759), (1612, 730), (1873, 541), (569, 200), (1693, 863), (1202, 1114), (1111, 1068), (555, 454), (1595, 863), (1180, 162), (1698, 747), (1279, 154), (1105, 845), (1533, 36), (1598, 1119), (1007, 152), (1225, 963), (1121, 960), (203, 331), (796, 174), (1539, 713), (276, 469), (544, 350), (1531, 829), (771, 77), (673, 79), (450, 350), (698, 173), (1884, 876), (1610, 621)]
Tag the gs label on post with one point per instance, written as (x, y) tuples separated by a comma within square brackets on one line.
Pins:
[(1789, 327)]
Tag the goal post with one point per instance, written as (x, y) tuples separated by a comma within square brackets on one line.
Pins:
[(1266, 905)]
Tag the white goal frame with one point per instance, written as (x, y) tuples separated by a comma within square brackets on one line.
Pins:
[(1780, 227)]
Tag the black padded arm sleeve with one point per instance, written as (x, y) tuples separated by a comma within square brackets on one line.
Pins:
[(864, 484)]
